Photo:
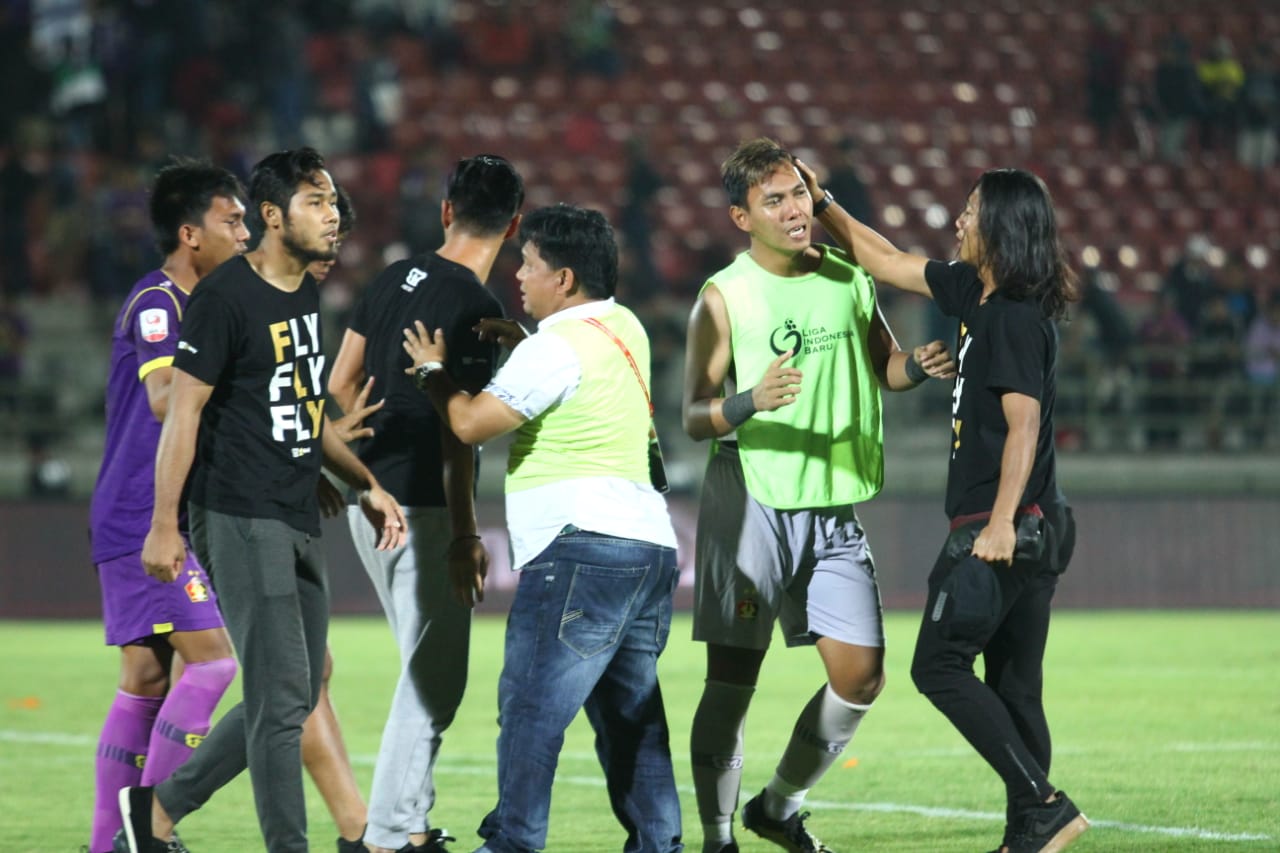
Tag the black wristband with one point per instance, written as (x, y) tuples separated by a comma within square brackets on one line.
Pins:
[(915, 372), (820, 206), (738, 408)]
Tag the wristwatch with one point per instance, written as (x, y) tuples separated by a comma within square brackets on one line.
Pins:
[(422, 371)]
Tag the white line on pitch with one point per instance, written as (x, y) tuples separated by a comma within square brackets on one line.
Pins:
[(454, 765)]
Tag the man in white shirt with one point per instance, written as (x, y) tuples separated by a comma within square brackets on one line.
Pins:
[(589, 534)]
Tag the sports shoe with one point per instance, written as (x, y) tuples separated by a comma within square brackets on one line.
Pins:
[(346, 846), (1048, 827), (435, 842), (788, 834), (136, 837)]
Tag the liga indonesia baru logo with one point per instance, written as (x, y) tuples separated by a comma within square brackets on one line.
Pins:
[(790, 336)]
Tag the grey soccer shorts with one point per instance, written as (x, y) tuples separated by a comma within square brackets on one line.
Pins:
[(811, 570)]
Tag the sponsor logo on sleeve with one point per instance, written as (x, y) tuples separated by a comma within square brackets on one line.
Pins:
[(153, 325)]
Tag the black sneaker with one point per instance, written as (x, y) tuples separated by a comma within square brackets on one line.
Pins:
[(1048, 827), (136, 837), (788, 834), (435, 842)]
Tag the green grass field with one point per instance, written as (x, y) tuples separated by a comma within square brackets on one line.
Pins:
[(1167, 729)]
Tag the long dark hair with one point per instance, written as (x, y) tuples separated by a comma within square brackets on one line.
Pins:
[(1020, 243)]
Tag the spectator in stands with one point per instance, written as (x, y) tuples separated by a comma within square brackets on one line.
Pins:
[(1262, 367), (1176, 96), (419, 189), (1190, 280), (1216, 365), (14, 332), (844, 183), (503, 42), (1222, 77), (1235, 287), (642, 279), (1259, 111), (18, 187), (590, 32), (1109, 356), (1106, 61), (1164, 335)]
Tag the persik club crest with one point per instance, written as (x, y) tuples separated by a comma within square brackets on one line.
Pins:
[(746, 608), (153, 325), (196, 591)]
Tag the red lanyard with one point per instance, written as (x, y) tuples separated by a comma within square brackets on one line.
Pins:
[(617, 340)]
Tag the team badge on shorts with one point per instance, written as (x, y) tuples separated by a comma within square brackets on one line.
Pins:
[(153, 325), (746, 609), (196, 591)]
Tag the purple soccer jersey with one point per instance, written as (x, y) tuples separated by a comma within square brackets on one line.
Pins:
[(145, 337), (135, 605)]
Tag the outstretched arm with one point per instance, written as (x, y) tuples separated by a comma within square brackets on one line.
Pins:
[(901, 371), (706, 412), (870, 251), (473, 419)]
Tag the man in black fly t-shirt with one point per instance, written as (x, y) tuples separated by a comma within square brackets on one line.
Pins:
[(1012, 532), (428, 587), (246, 419)]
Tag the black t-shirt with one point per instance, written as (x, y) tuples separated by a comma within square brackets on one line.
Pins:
[(1004, 345), (258, 454), (404, 450)]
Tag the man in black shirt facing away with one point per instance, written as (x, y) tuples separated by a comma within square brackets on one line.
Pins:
[(1012, 532), (247, 408), (427, 587)]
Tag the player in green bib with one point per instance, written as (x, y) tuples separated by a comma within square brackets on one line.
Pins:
[(794, 326)]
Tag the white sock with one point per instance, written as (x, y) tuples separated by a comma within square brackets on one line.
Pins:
[(716, 835), (822, 731)]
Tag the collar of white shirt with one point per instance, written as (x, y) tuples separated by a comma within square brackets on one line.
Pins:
[(594, 308)]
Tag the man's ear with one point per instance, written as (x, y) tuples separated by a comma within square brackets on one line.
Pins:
[(740, 218), (446, 213), (189, 235), (568, 282), (271, 215)]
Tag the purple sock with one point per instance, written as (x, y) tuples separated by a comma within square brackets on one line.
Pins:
[(184, 717), (122, 749)]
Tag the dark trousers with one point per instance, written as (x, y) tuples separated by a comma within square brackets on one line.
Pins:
[(1001, 716), (274, 594)]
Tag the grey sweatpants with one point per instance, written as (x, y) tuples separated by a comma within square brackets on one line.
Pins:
[(271, 584), (433, 631)]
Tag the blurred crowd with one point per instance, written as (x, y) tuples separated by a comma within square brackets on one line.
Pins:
[(99, 93)]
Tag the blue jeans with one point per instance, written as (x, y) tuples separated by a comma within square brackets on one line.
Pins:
[(590, 617)]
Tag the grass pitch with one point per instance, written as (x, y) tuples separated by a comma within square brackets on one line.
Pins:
[(1166, 726)]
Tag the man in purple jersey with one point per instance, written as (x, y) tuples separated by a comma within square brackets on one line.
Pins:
[(153, 725)]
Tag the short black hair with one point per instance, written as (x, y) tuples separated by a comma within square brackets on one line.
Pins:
[(575, 238), (486, 192), (182, 194), (749, 164), (275, 179)]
